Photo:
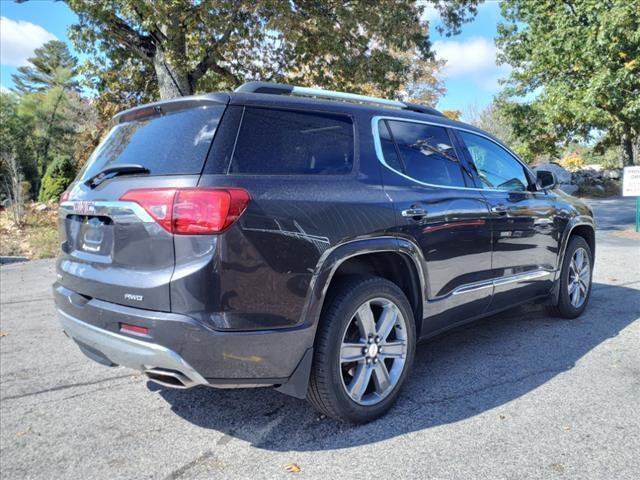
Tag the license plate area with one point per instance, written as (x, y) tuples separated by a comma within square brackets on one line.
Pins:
[(90, 234)]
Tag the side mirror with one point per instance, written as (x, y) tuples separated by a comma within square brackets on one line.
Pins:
[(545, 180)]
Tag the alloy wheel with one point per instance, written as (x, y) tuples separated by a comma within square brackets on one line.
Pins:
[(579, 277), (373, 352)]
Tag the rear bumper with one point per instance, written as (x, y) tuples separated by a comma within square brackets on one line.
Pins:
[(113, 349), (178, 346)]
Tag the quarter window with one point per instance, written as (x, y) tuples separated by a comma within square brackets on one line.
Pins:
[(497, 168), (275, 142), (426, 153)]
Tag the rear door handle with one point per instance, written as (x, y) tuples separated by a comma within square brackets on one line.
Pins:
[(415, 213)]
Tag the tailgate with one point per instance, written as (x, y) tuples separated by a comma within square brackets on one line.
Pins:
[(113, 249)]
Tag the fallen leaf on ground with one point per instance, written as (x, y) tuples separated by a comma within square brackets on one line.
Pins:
[(632, 234), (292, 468), (558, 467), (3, 333), (24, 432)]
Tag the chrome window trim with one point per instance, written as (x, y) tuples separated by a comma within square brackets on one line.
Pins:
[(497, 282), (378, 147)]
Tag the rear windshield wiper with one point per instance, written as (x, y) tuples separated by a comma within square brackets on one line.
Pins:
[(122, 169)]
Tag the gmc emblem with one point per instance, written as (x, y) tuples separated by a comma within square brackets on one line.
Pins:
[(84, 207)]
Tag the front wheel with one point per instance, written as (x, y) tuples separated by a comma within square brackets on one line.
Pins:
[(364, 349), (575, 278)]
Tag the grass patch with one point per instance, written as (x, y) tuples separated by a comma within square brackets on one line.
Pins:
[(37, 239)]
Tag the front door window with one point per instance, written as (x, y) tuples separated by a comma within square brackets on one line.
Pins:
[(497, 168)]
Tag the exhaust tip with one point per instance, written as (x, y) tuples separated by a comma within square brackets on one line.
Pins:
[(169, 378)]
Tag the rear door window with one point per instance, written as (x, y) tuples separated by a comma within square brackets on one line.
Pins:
[(169, 144), (426, 153), (285, 142)]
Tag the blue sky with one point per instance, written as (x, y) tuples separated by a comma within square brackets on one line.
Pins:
[(471, 75)]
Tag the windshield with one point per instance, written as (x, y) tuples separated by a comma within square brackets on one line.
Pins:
[(172, 144)]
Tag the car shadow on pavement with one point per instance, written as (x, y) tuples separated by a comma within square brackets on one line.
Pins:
[(458, 375)]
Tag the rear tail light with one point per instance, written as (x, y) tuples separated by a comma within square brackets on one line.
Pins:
[(64, 197), (191, 211)]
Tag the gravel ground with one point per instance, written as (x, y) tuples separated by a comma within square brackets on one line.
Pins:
[(518, 395)]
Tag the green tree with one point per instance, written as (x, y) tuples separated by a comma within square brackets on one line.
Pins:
[(59, 175), (576, 72), (15, 137), (205, 45), (49, 104), (43, 71), (53, 120)]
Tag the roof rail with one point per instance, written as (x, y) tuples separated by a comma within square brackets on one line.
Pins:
[(282, 89)]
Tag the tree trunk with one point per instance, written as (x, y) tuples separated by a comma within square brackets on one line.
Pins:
[(42, 163), (627, 148), (172, 83)]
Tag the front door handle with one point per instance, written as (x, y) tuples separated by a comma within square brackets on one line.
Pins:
[(499, 208), (415, 213)]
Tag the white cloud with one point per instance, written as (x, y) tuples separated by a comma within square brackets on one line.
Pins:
[(473, 59), (18, 40), (430, 14), (4, 89), (467, 56)]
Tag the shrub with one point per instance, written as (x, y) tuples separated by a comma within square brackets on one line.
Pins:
[(59, 175), (611, 159), (572, 162)]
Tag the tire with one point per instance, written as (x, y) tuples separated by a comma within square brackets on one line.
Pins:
[(567, 307), (336, 383)]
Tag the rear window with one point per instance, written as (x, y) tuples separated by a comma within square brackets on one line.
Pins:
[(427, 153), (171, 144), (275, 142)]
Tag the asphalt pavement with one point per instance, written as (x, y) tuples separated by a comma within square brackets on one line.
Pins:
[(518, 395)]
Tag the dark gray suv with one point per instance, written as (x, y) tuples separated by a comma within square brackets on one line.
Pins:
[(304, 239)]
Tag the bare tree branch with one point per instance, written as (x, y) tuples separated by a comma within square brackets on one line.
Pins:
[(143, 45), (211, 59)]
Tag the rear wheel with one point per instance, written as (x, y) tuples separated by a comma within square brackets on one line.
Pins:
[(364, 349), (575, 278)]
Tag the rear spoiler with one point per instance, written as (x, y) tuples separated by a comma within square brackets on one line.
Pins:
[(166, 106)]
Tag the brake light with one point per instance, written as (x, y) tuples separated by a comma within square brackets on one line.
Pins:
[(64, 197), (158, 202), (191, 211)]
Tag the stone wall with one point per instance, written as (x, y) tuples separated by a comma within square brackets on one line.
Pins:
[(590, 180)]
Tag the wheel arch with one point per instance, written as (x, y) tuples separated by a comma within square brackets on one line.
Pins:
[(388, 257), (358, 252), (583, 226)]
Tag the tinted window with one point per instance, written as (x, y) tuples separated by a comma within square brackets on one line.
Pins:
[(497, 168), (175, 143), (286, 142), (427, 153), (388, 148)]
